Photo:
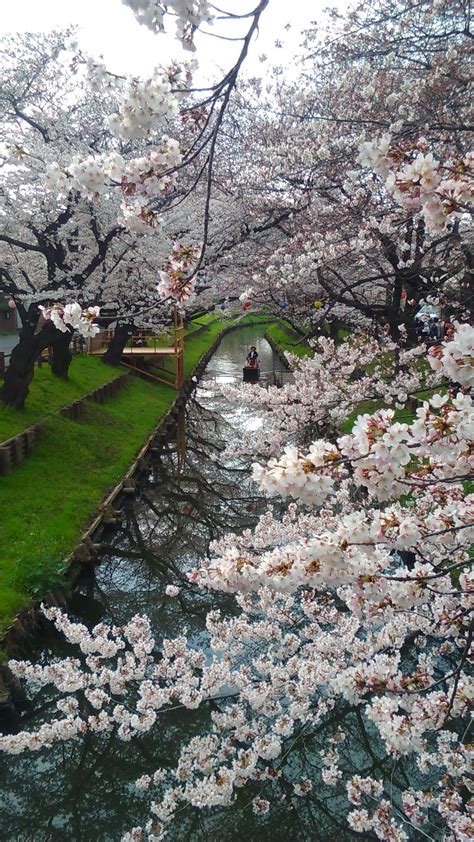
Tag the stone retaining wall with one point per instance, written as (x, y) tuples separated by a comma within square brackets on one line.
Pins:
[(75, 411)]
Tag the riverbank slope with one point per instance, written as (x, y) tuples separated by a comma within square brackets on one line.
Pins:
[(48, 500)]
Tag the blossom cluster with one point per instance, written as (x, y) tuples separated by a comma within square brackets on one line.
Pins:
[(72, 317), (139, 180), (417, 180), (144, 106), (175, 280), (189, 16), (454, 357)]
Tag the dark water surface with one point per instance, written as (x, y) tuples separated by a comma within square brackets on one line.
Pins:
[(84, 791)]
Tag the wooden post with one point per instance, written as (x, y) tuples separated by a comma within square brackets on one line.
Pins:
[(179, 347), (5, 460), (181, 437)]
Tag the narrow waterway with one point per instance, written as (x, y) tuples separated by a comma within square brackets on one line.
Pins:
[(83, 791), (8, 342)]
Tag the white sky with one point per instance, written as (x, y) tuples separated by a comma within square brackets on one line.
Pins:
[(109, 28)]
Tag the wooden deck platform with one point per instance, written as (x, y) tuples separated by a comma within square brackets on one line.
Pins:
[(137, 352)]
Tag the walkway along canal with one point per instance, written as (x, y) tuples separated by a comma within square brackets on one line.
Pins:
[(83, 791)]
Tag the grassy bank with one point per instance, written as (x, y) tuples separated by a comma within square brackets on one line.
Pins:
[(48, 393), (48, 500), (286, 338)]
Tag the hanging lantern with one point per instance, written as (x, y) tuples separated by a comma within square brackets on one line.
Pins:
[(222, 306), (246, 295), (283, 305), (318, 305), (246, 305), (12, 304)]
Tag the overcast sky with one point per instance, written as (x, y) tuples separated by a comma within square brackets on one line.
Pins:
[(109, 28)]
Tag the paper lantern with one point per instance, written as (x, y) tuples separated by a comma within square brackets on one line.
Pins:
[(283, 304), (222, 306), (318, 304), (246, 295), (12, 304), (246, 305)]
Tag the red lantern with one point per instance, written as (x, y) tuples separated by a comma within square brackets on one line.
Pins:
[(12, 304), (246, 305)]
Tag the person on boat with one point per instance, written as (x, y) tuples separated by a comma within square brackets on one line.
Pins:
[(252, 357)]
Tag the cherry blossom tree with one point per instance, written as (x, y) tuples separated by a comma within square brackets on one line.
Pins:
[(56, 249), (50, 251), (113, 182), (379, 173)]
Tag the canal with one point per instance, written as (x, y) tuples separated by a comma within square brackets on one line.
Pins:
[(84, 791)]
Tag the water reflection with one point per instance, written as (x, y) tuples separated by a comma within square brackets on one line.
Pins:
[(183, 504), (83, 791)]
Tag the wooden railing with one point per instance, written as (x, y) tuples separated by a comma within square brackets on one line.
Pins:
[(179, 348), (141, 339), (153, 350)]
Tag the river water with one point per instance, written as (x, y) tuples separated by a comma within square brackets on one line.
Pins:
[(8, 342), (83, 791)]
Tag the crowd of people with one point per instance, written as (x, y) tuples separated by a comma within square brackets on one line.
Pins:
[(429, 327)]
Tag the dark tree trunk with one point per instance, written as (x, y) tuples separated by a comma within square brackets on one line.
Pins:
[(19, 373), (334, 326), (409, 321), (114, 352), (61, 354), (394, 312)]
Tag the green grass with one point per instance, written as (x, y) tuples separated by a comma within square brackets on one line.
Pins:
[(284, 335), (361, 409), (384, 364), (403, 416), (286, 338), (48, 393), (48, 500), (206, 319)]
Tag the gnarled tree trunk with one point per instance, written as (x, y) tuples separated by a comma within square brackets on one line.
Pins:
[(19, 373), (61, 354), (114, 352)]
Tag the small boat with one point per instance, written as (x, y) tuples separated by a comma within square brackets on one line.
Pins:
[(251, 374)]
